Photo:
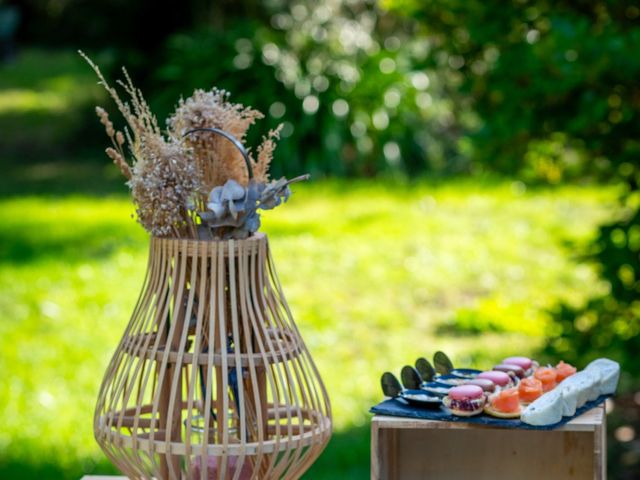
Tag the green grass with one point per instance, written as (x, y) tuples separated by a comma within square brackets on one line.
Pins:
[(45, 100), (376, 273)]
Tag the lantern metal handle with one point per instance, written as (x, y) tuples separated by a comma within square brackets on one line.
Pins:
[(233, 140)]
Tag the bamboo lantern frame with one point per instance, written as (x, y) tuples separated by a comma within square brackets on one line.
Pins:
[(211, 379)]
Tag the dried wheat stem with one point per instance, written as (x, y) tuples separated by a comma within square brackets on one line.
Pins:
[(119, 161)]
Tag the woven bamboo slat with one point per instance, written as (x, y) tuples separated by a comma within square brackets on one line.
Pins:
[(211, 378)]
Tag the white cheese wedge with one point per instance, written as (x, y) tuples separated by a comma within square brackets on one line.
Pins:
[(609, 375), (599, 378), (546, 410), (569, 399), (585, 382), (594, 376)]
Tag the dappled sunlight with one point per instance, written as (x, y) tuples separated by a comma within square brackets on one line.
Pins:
[(25, 101), (44, 99), (53, 95)]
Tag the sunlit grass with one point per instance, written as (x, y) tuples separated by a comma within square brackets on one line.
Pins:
[(44, 100), (376, 274), (60, 71), (28, 100), (44, 83)]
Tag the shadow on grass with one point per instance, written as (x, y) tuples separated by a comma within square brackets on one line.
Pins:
[(41, 234), (79, 245), (57, 177), (346, 458)]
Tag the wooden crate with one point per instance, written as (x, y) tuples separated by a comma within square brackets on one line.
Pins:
[(406, 449)]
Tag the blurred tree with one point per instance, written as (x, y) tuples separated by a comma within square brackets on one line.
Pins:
[(555, 87), (555, 83), (609, 326), (349, 81)]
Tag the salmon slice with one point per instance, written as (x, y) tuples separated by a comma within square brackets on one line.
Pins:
[(507, 401), (529, 389)]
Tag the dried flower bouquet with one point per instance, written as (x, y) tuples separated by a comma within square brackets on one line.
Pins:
[(195, 180)]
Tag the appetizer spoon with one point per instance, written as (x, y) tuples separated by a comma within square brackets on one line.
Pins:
[(442, 363), (390, 385), (425, 369), (410, 378)]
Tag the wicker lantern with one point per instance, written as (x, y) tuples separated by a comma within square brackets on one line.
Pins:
[(212, 378)]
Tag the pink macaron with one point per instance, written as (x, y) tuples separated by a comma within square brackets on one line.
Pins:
[(501, 379), (523, 362), (465, 400), (464, 392), (510, 368), (484, 383)]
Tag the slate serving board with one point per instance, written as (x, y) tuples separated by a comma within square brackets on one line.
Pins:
[(400, 408)]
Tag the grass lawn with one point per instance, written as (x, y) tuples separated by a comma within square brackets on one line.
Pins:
[(376, 274)]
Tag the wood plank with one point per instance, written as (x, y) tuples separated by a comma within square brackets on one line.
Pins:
[(491, 454), (375, 457)]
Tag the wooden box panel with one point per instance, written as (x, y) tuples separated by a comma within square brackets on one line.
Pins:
[(407, 449)]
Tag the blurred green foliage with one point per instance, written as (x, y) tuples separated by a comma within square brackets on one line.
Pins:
[(555, 86), (545, 90), (45, 101), (607, 325), (346, 79), (554, 83)]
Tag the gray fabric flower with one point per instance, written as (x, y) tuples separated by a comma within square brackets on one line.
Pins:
[(228, 198), (232, 208), (274, 194)]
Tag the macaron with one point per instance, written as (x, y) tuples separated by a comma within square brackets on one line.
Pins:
[(465, 400), (465, 392), (484, 383), (501, 379), (510, 368), (523, 362)]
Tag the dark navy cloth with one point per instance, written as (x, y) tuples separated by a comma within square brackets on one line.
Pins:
[(400, 408)]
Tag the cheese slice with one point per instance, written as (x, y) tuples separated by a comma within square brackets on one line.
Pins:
[(546, 410), (609, 375), (586, 384), (569, 399)]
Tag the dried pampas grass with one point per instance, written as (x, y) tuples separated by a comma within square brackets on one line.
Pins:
[(170, 174), (162, 176), (218, 159)]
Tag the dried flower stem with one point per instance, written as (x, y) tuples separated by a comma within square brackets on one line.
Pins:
[(170, 177)]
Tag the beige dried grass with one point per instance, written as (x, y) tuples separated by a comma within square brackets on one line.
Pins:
[(217, 158), (170, 175), (163, 177)]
